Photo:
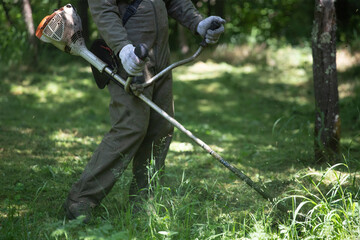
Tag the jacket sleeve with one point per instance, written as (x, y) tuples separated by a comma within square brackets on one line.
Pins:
[(105, 14), (185, 13)]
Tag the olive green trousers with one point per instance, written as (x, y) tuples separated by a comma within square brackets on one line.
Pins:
[(137, 132)]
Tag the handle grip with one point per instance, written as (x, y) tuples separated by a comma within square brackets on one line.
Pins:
[(142, 51), (213, 26)]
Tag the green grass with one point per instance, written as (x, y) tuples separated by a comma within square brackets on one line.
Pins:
[(257, 113)]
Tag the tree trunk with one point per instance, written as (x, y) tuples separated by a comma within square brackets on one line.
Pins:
[(6, 10), (327, 119), (28, 18)]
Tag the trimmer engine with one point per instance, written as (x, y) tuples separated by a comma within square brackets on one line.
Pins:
[(63, 29)]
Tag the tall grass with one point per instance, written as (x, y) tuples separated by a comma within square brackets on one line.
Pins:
[(166, 213), (326, 208)]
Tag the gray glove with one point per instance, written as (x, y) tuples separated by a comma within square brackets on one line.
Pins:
[(133, 65), (211, 36)]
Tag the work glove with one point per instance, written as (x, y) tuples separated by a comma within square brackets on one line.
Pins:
[(133, 65), (211, 36)]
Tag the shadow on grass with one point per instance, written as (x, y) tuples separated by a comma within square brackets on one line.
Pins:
[(51, 121), (349, 74)]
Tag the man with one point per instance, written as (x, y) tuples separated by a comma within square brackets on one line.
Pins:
[(137, 132)]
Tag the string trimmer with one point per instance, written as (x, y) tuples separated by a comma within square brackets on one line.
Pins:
[(63, 29)]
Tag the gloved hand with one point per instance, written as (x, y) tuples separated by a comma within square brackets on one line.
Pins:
[(211, 36), (131, 63)]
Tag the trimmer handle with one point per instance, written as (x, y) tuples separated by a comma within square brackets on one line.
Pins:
[(142, 51), (214, 25)]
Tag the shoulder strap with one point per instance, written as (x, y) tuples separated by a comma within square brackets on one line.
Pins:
[(131, 10)]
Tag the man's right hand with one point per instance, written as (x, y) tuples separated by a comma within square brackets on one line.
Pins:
[(133, 65)]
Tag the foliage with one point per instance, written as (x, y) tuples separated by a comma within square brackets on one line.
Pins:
[(262, 21), (289, 21), (14, 47), (12, 37), (348, 21)]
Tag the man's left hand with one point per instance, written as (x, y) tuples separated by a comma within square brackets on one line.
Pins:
[(211, 36)]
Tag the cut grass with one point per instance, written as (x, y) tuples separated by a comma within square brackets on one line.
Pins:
[(257, 115)]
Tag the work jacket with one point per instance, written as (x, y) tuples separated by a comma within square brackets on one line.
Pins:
[(107, 15)]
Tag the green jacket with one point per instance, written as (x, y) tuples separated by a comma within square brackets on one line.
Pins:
[(107, 16)]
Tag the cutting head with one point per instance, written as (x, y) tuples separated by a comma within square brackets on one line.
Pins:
[(63, 29)]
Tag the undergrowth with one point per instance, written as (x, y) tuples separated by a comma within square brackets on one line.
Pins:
[(325, 208)]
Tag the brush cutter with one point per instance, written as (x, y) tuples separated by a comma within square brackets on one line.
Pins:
[(63, 29)]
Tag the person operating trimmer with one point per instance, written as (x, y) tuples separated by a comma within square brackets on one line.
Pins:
[(137, 133)]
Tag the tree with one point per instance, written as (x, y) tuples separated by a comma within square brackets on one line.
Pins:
[(327, 119), (28, 18), (6, 10)]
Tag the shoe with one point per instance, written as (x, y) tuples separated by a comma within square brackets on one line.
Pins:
[(76, 209)]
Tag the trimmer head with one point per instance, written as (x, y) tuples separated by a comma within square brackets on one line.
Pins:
[(63, 29)]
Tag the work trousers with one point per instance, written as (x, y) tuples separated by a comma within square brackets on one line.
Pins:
[(138, 133)]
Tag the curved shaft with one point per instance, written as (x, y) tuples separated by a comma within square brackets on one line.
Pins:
[(172, 66)]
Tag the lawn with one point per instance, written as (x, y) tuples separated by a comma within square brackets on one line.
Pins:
[(253, 106)]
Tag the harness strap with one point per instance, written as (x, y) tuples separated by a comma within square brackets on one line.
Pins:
[(130, 11)]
